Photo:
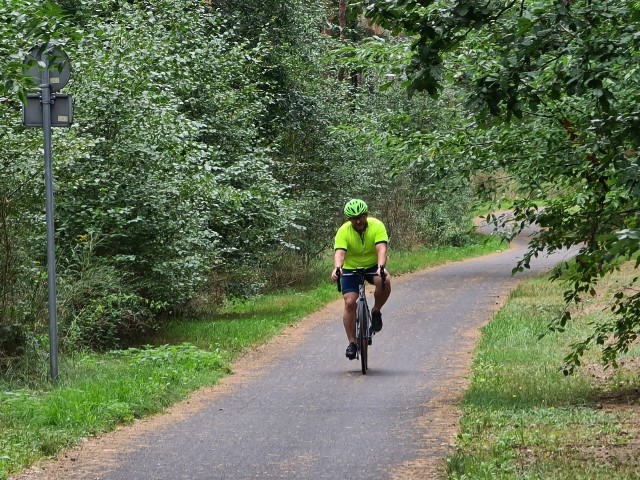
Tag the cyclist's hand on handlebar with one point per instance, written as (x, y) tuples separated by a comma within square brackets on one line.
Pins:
[(335, 275), (382, 271)]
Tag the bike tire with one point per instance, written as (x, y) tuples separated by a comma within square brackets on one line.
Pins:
[(363, 342)]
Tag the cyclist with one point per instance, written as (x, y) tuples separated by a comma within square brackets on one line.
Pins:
[(360, 242)]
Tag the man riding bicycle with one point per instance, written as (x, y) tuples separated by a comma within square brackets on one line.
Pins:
[(361, 242)]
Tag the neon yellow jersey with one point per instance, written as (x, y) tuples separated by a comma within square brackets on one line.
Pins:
[(361, 249)]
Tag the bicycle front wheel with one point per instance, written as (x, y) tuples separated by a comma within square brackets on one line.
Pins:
[(363, 343)]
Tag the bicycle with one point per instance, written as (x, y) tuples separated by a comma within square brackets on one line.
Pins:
[(364, 332)]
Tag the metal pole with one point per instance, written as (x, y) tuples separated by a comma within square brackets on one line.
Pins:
[(51, 248)]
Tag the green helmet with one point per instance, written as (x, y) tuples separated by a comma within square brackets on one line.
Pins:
[(355, 207)]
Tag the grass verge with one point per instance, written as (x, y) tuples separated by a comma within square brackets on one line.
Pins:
[(97, 392), (522, 419)]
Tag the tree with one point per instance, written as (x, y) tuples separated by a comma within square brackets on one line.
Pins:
[(163, 178), (564, 74), (205, 153), (23, 24)]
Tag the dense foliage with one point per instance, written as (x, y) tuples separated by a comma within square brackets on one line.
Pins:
[(555, 85), (213, 146)]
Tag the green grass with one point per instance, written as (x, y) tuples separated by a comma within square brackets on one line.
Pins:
[(523, 419), (98, 392)]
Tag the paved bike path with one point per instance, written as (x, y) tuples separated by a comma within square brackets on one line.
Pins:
[(308, 412)]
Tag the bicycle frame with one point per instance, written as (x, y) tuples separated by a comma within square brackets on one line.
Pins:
[(363, 328), (363, 320)]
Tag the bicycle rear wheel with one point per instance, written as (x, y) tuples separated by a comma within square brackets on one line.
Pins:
[(363, 342)]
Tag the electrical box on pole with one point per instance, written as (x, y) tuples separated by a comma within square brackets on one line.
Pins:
[(49, 66)]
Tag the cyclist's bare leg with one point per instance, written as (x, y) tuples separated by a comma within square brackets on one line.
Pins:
[(380, 295), (349, 315)]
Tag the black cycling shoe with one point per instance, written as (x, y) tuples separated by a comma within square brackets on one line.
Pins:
[(376, 321), (352, 350)]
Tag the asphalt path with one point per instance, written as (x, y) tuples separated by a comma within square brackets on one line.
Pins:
[(309, 413)]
